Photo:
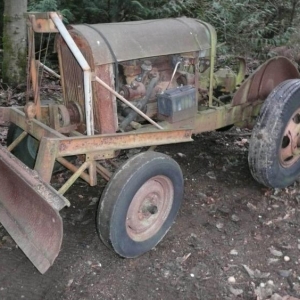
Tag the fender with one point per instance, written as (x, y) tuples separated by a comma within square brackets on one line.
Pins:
[(260, 84)]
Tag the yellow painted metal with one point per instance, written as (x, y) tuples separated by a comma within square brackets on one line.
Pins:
[(103, 172), (73, 168), (213, 47), (17, 141), (218, 117), (73, 178)]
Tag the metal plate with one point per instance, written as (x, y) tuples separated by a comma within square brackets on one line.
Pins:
[(260, 84), (133, 40), (29, 218)]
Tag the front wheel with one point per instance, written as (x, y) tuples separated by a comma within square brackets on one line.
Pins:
[(140, 203), (274, 152)]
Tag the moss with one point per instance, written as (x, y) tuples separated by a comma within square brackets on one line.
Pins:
[(7, 47), (22, 63), (6, 19), (12, 75)]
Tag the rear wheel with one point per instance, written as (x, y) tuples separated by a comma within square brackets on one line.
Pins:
[(26, 150), (274, 152), (140, 203)]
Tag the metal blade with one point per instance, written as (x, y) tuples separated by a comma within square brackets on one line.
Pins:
[(29, 211)]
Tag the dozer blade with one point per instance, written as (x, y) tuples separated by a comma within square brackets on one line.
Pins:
[(29, 211)]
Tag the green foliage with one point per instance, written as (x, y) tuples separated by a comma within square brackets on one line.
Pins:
[(95, 11), (243, 26), (50, 5), (251, 26), (169, 9), (43, 5)]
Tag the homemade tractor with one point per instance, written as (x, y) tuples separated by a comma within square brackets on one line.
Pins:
[(134, 85)]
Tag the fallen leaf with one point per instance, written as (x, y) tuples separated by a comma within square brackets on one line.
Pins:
[(236, 292)]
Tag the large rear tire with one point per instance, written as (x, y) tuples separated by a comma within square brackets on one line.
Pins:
[(26, 150), (274, 152), (140, 203)]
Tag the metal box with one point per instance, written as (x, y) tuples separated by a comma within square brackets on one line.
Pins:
[(177, 104)]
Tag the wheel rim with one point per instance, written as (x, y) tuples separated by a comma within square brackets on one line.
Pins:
[(290, 145), (149, 208), (32, 146)]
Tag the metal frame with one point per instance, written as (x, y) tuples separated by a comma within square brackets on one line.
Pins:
[(55, 146), (31, 215)]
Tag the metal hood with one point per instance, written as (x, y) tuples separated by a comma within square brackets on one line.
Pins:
[(138, 39)]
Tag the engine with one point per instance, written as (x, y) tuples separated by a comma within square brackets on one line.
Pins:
[(153, 84), (162, 66)]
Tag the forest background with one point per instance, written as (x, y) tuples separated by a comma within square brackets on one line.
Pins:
[(244, 27)]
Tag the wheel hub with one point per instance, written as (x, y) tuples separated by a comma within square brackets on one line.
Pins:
[(149, 208), (290, 145)]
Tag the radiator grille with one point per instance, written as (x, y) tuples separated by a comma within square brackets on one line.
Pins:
[(72, 74)]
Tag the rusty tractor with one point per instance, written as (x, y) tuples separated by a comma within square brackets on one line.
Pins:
[(132, 85)]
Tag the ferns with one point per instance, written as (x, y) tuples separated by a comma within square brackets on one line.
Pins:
[(50, 5), (168, 9), (251, 26), (43, 5)]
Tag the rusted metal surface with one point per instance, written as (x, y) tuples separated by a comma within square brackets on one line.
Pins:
[(149, 208), (34, 73), (259, 85), (107, 87), (135, 90), (30, 110), (87, 55), (194, 36), (289, 151), (36, 128), (92, 173), (29, 211), (53, 117), (218, 117), (79, 145), (105, 106), (41, 22), (73, 168), (72, 76), (75, 112), (85, 68), (104, 103), (103, 172), (138, 138), (45, 159), (73, 178)]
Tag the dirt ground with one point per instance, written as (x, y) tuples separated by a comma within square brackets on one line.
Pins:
[(232, 239)]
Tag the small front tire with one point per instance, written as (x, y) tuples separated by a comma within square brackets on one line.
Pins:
[(140, 203)]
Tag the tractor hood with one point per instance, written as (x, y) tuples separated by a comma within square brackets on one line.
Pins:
[(112, 42)]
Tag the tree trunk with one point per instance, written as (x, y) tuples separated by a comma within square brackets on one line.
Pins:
[(14, 42)]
